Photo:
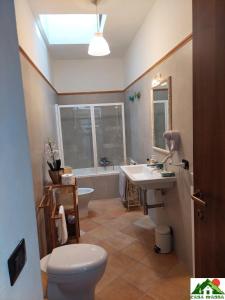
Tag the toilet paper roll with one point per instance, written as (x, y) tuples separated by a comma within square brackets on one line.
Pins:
[(68, 179)]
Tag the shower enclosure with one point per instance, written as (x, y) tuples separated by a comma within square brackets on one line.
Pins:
[(92, 137)]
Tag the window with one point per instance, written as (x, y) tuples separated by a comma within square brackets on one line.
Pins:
[(70, 28), (92, 136)]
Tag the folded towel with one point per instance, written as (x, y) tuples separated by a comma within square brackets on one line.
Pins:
[(122, 185), (172, 138), (61, 227)]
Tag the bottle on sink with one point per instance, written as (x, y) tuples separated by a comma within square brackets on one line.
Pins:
[(153, 160)]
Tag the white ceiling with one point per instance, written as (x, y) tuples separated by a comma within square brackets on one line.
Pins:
[(123, 21)]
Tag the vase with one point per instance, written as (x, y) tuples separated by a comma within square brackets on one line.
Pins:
[(56, 176)]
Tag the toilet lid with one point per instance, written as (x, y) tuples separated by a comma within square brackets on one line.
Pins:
[(75, 258)]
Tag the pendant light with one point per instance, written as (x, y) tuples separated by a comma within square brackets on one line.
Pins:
[(98, 45)]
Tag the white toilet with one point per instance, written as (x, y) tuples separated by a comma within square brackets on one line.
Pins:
[(73, 271), (84, 196)]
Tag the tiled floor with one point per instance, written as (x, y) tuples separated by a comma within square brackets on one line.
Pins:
[(134, 271)]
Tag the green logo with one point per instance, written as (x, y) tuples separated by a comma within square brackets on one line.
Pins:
[(208, 289)]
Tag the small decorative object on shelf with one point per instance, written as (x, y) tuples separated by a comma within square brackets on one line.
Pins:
[(131, 98), (53, 161), (104, 162), (135, 96)]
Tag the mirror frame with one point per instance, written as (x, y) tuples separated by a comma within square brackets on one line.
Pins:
[(170, 125)]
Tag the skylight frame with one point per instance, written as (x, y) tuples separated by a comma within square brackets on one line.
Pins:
[(70, 29)]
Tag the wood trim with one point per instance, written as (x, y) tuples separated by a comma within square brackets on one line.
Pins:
[(165, 57), (49, 83), (36, 68), (90, 93)]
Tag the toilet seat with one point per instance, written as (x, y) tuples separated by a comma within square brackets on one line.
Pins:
[(74, 271), (76, 258)]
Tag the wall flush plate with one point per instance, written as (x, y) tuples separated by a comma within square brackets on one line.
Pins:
[(17, 261)]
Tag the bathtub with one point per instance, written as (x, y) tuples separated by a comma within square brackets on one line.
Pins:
[(99, 171), (104, 181)]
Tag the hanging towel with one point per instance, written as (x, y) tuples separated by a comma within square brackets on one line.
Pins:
[(122, 185), (172, 138), (61, 227)]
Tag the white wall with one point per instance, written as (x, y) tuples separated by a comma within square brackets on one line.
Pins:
[(30, 38), (87, 75), (167, 24), (40, 100), (139, 143), (17, 214)]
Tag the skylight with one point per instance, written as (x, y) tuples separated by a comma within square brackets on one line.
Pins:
[(70, 28)]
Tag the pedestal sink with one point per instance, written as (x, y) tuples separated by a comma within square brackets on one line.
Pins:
[(147, 177)]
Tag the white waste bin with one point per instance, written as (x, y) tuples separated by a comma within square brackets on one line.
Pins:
[(163, 239)]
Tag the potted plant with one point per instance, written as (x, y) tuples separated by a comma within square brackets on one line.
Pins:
[(53, 161)]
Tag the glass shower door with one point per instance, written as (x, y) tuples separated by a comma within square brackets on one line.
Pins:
[(109, 135), (76, 127)]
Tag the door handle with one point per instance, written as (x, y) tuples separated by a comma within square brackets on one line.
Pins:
[(198, 197)]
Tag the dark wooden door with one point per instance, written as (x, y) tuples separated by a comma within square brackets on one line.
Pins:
[(209, 136)]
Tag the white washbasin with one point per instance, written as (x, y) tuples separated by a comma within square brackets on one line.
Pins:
[(147, 177)]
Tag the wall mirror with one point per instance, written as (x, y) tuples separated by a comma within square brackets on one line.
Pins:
[(161, 112)]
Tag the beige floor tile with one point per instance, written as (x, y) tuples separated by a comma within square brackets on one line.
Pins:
[(136, 250), (97, 297), (87, 225), (146, 297), (120, 240), (140, 276), (170, 289), (102, 219), (107, 246), (88, 238), (179, 270), (132, 216), (160, 263), (119, 289), (144, 235), (101, 233), (106, 279), (117, 223), (92, 214), (120, 263), (130, 230)]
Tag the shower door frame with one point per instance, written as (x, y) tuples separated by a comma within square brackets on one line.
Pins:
[(94, 138)]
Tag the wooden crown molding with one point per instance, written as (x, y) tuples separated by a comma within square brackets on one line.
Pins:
[(36, 68), (165, 57), (90, 93)]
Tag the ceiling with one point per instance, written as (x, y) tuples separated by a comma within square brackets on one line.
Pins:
[(123, 21)]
